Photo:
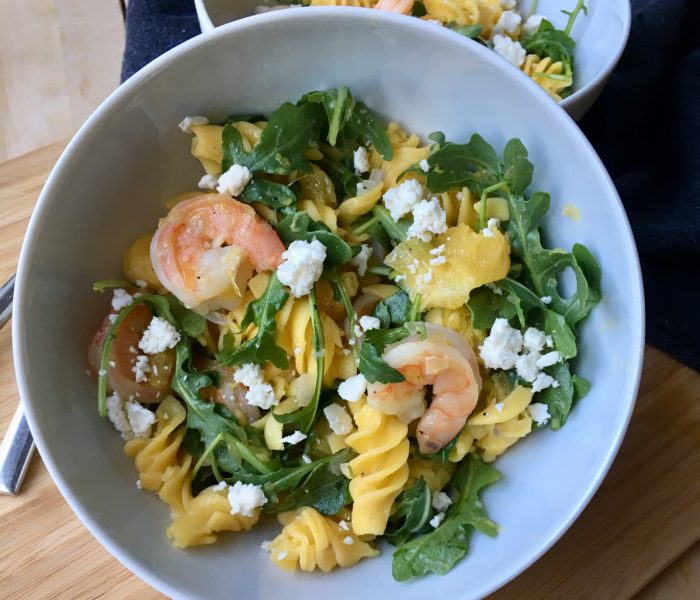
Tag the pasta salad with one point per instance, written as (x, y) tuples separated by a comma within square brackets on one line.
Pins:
[(344, 326), (525, 39)]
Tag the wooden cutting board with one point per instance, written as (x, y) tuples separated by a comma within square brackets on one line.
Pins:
[(645, 515)]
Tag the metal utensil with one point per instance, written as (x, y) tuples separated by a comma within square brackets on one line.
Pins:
[(17, 446)]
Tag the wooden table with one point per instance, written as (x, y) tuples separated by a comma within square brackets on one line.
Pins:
[(644, 517)]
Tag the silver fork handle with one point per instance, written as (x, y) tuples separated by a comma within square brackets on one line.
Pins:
[(18, 445)]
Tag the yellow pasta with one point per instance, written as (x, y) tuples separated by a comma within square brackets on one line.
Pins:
[(206, 143), (435, 472), (205, 516), (359, 205), (465, 12), (312, 541), (379, 471)]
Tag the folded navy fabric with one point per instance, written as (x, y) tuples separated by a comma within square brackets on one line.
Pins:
[(645, 126)]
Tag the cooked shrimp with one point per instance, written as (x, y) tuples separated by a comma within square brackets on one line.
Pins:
[(205, 249), (121, 376), (445, 361), (229, 393), (398, 6)]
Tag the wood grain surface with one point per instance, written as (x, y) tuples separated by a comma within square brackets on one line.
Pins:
[(643, 518)]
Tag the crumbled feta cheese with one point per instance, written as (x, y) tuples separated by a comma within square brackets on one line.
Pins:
[(508, 22), (357, 330), (141, 283), (399, 278), (546, 299), (367, 323), (121, 299), (133, 350), (360, 261), (244, 498), (347, 540), (352, 388), (401, 199), (495, 289), (259, 393), (423, 164), (305, 458), (360, 159), (344, 525), (208, 182), (298, 350), (493, 223), (437, 519), (532, 24), (428, 218), (139, 485), (549, 359), (438, 260), (219, 487), (428, 277), (189, 122), (499, 406), (526, 366), (112, 364), (441, 502), (159, 337), (539, 413), (302, 266), (294, 438), (233, 182), (534, 340), (140, 419), (512, 51), (141, 368), (117, 415), (486, 232), (501, 347), (113, 318), (438, 251), (543, 381), (346, 351), (412, 267), (266, 545), (102, 372), (549, 342), (338, 419)]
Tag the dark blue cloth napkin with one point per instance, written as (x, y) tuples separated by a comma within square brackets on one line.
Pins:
[(645, 126)]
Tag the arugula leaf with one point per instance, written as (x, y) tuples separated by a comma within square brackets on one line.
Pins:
[(470, 31), (518, 169), (290, 131), (558, 399), (276, 195), (413, 508), (439, 550), (372, 365), (189, 322), (581, 387), (394, 310), (562, 336), (338, 164), (396, 230), (325, 488), (418, 9), (474, 164), (364, 125), (245, 117), (307, 415), (300, 226), (551, 42), (262, 347), (341, 295), (107, 284), (544, 265), (338, 104)]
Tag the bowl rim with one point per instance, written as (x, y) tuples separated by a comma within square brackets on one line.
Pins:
[(140, 79), (206, 25)]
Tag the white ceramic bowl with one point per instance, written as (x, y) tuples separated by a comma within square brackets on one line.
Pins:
[(601, 37), (109, 186)]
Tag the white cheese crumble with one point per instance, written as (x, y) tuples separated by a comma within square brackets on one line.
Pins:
[(306, 458), (543, 381), (423, 164), (534, 339), (302, 266), (344, 525), (360, 160), (338, 419), (532, 24), (495, 289), (401, 199), (499, 406), (438, 260), (526, 366), (368, 323), (488, 232), (539, 413), (508, 22), (139, 485), (428, 218), (512, 51), (437, 519), (501, 347), (159, 337), (259, 393), (219, 487), (438, 251), (189, 122), (208, 182), (129, 418), (121, 299), (353, 388), (428, 277), (294, 438), (549, 342), (549, 359), (266, 545), (347, 540), (113, 318), (546, 299), (360, 261), (493, 223), (441, 502), (141, 283), (233, 182), (141, 368), (244, 498)]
